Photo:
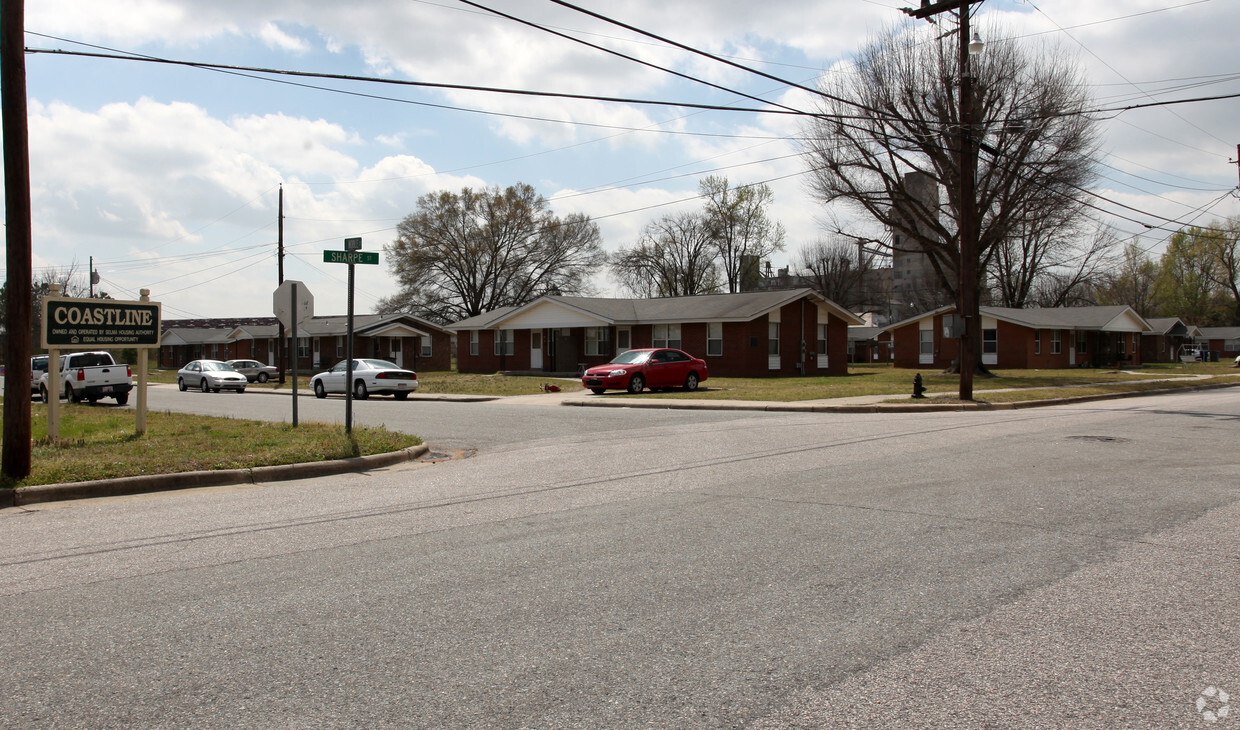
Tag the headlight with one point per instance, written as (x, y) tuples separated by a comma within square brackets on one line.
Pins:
[(621, 371)]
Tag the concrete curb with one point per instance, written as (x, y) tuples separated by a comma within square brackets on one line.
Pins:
[(211, 478), (927, 406)]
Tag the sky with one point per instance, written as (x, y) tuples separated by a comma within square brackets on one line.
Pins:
[(168, 176)]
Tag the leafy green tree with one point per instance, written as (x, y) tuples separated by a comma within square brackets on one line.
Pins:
[(1132, 283), (1188, 271), (1225, 249), (461, 254)]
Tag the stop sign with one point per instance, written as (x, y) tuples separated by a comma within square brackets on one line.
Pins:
[(292, 301)]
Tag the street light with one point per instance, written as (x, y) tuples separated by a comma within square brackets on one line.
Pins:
[(976, 46)]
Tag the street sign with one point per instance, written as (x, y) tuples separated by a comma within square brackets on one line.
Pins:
[(353, 244), (351, 257), (285, 309)]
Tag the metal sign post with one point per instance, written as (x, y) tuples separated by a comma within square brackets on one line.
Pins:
[(352, 254), (292, 303)]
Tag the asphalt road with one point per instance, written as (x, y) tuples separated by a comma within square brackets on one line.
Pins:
[(1059, 567)]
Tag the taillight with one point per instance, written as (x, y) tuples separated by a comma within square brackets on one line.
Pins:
[(128, 371), (81, 375)]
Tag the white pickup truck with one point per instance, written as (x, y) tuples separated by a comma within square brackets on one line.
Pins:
[(90, 376)]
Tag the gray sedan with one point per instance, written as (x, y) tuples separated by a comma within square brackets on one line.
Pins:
[(255, 371), (210, 375)]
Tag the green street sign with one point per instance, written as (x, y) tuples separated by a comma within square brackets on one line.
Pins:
[(351, 257)]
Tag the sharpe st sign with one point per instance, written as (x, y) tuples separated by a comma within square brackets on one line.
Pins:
[(100, 323)]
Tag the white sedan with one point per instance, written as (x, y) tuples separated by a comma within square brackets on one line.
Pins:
[(378, 377)]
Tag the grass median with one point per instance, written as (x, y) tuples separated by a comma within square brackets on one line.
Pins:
[(99, 442)]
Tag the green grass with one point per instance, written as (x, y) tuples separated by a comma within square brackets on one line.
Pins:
[(100, 443)]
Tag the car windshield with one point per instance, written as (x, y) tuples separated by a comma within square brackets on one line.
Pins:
[(632, 357), (208, 365), (379, 365)]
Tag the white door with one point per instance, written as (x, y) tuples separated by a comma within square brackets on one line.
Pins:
[(398, 355), (536, 353)]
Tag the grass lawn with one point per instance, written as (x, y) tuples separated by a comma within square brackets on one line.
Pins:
[(98, 442), (863, 379)]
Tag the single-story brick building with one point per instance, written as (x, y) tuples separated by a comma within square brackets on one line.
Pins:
[(1166, 339), (406, 340), (751, 334), (1044, 338), (1223, 340), (869, 344)]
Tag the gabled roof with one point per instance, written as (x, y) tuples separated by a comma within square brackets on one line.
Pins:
[(741, 307), (862, 333), (1220, 333), (1116, 318), (338, 325), (194, 336), (1170, 326)]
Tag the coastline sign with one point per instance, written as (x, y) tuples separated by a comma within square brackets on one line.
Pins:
[(350, 257), (104, 323)]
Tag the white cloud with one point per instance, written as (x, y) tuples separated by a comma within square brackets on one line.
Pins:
[(276, 38)]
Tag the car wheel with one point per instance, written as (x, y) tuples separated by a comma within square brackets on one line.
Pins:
[(597, 391), (401, 396), (359, 391), (181, 385), (122, 399), (636, 384), (70, 395), (215, 390), (691, 382), (43, 393), (262, 377), (203, 386), (240, 390), (319, 390)]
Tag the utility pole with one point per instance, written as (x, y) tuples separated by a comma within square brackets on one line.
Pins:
[(15, 451), (280, 268), (967, 227)]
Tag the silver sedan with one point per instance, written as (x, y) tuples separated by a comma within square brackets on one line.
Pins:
[(253, 370), (210, 375), (378, 377)]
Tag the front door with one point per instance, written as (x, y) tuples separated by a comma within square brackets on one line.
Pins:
[(536, 353)]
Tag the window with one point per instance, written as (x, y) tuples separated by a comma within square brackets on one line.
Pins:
[(1231, 345), (1119, 343), (598, 340), (503, 342), (303, 347), (624, 339), (426, 346), (473, 342), (1056, 342), (1082, 343), (339, 347), (772, 338), (927, 342), (667, 335), (714, 338), (822, 339), (1037, 342), (990, 342)]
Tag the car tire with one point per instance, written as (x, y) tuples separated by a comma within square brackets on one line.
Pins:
[(319, 390), (262, 377), (637, 384), (240, 390), (598, 391), (401, 396), (359, 391), (203, 387), (691, 382), (122, 399), (43, 393), (215, 390), (181, 385), (71, 396)]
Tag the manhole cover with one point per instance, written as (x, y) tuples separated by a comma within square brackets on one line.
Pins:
[(1107, 439)]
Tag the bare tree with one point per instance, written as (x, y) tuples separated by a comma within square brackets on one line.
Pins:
[(898, 114), (837, 269), (1050, 267), (740, 230), (673, 257), (1225, 250), (462, 254)]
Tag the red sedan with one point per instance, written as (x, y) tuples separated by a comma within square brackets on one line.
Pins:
[(652, 368)]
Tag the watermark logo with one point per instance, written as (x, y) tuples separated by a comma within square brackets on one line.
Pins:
[(1212, 704)]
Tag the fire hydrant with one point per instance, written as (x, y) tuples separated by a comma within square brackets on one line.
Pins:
[(918, 389)]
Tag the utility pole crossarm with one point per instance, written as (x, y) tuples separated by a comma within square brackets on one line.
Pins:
[(928, 9)]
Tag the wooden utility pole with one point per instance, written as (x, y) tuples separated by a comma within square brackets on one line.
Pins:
[(967, 226), (15, 452)]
